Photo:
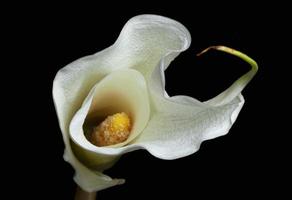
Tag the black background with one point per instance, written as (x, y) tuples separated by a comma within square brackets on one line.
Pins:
[(247, 162)]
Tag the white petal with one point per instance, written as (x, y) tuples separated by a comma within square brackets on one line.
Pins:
[(141, 44), (179, 124), (179, 132), (145, 39), (69, 88), (87, 179), (121, 91)]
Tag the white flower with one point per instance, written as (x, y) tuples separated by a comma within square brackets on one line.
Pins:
[(129, 77)]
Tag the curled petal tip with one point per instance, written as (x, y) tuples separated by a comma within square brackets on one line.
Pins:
[(232, 52), (217, 47)]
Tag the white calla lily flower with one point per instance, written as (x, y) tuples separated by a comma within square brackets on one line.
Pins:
[(129, 77)]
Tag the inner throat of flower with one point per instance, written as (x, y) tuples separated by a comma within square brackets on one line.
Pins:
[(113, 130)]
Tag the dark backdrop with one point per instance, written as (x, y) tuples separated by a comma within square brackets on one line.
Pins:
[(245, 163)]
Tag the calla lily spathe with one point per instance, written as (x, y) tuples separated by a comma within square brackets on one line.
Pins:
[(129, 76)]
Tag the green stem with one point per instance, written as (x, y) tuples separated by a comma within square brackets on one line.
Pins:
[(83, 195)]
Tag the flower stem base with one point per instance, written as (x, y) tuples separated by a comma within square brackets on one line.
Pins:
[(83, 195)]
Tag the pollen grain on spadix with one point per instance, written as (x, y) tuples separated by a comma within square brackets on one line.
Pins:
[(113, 130)]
